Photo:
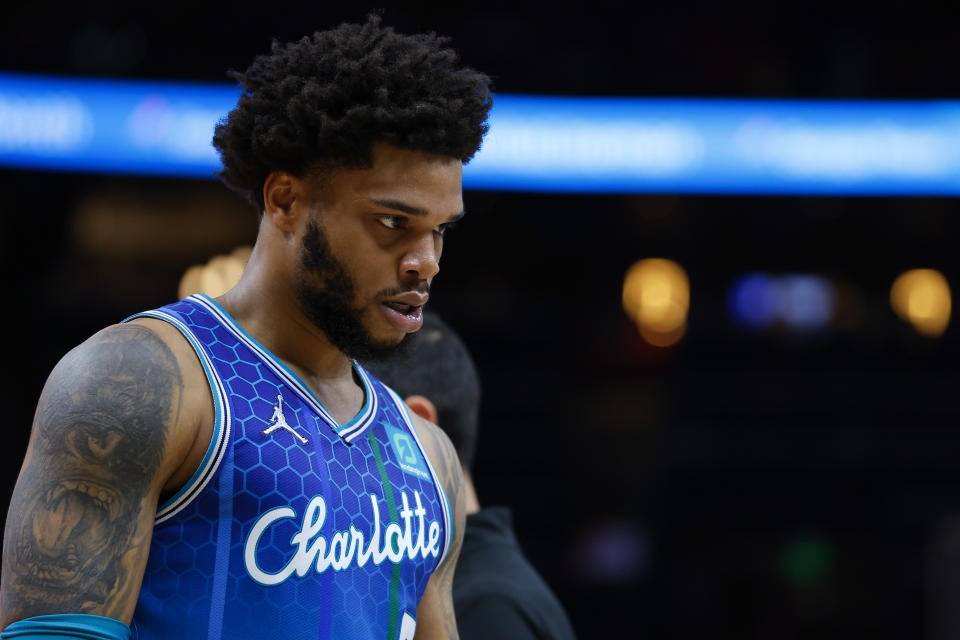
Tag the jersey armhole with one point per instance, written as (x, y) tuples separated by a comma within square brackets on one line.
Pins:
[(221, 425), (444, 501)]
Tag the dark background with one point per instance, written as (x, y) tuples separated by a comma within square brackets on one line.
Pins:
[(737, 485)]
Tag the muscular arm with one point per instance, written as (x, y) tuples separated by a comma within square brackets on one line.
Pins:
[(435, 614), (80, 519)]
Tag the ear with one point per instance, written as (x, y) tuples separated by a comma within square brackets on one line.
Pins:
[(423, 408), (281, 191)]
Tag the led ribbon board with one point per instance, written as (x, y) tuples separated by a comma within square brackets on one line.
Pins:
[(536, 143)]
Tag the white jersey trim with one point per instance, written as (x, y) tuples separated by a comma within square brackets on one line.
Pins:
[(444, 501), (349, 431), (221, 426)]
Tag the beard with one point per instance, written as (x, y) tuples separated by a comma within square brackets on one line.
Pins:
[(330, 305)]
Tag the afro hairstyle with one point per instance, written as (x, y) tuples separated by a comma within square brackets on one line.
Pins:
[(322, 102)]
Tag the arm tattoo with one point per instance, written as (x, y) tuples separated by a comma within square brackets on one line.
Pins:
[(75, 535), (447, 466)]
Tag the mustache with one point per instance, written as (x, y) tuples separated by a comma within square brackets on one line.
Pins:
[(423, 288)]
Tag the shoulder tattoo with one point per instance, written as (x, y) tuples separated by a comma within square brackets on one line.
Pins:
[(75, 534), (445, 462), (447, 465)]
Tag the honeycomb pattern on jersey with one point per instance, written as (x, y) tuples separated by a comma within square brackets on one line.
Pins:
[(276, 470)]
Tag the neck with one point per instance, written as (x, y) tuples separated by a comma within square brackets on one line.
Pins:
[(264, 304)]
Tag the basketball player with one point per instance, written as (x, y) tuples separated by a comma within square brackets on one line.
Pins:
[(224, 468), (496, 591)]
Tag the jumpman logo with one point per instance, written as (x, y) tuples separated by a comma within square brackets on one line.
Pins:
[(277, 421)]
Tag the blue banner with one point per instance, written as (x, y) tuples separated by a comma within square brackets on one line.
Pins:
[(536, 143)]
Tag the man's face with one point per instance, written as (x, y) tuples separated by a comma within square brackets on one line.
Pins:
[(372, 246)]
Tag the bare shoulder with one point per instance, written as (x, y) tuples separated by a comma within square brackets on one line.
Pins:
[(81, 515), (130, 373), (442, 455), (146, 370), (443, 458), (435, 615)]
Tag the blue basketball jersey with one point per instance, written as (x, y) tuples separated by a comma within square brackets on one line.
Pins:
[(293, 526)]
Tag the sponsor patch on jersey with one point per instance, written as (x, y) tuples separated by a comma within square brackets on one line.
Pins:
[(407, 452)]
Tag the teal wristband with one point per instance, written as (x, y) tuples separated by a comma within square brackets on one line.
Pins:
[(67, 626)]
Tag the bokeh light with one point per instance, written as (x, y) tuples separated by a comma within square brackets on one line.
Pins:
[(806, 301), (806, 561), (617, 551), (798, 302), (217, 276), (754, 300), (656, 296), (922, 298)]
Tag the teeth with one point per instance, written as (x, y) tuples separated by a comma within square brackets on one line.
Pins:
[(100, 495)]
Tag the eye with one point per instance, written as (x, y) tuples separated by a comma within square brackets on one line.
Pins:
[(393, 222), (93, 442)]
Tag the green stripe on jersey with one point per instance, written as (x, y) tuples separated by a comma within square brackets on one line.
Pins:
[(392, 511)]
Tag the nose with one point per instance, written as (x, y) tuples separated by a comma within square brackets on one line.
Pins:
[(422, 260)]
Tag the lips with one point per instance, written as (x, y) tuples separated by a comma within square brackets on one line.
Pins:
[(405, 312), (400, 307), (406, 300), (404, 309)]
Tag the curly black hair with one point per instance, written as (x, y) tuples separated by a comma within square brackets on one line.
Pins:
[(322, 101)]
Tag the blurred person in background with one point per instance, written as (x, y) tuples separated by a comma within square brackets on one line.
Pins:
[(497, 593), (224, 468)]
